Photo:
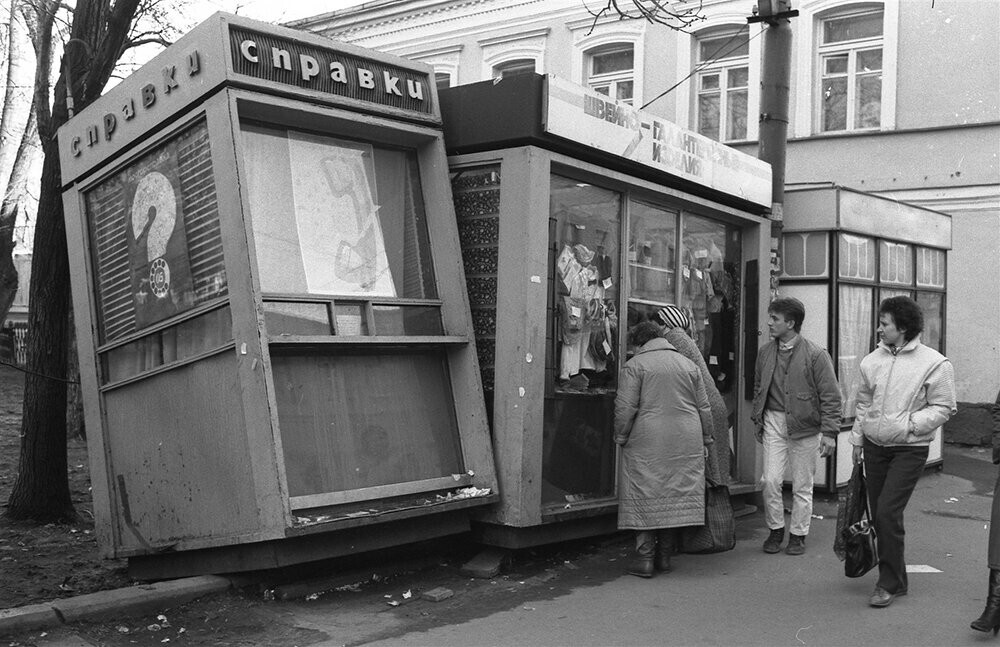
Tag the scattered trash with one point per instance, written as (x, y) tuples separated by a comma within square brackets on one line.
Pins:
[(163, 620), (817, 516), (952, 500), (122, 629), (528, 608), (393, 603), (353, 588), (800, 631), (407, 594), (268, 595), (153, 627), (181, 630), (312, 596)]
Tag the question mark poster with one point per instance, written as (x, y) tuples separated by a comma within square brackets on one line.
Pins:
[(157, 244)]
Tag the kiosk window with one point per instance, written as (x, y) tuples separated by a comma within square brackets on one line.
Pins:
[(356, 421), (154, 230), (854, 331), (585, 284), (336, 217)]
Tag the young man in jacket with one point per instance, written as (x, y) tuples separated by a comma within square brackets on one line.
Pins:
[(796, 407), (907, 391)]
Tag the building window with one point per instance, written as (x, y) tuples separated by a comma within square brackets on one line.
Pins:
[(442, 80), (514, 68), (723, 86), (611, 73), (850, 66)]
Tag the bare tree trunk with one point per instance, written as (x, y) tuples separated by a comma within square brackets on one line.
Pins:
[(41, 490), (74, 396)]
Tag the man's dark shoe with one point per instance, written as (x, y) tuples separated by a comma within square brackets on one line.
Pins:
[(773, 542), (796, 544), (641, 567), (662, 561), (882, 598)]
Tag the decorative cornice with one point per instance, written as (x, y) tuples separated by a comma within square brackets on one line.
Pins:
[(507, 38)]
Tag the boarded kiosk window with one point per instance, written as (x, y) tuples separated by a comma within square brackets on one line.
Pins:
[(365, 420)]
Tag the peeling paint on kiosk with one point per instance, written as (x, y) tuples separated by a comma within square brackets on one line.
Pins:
[(276, 348)]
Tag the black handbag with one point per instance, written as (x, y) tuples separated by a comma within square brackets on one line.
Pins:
[(860, 541), (719, 532)]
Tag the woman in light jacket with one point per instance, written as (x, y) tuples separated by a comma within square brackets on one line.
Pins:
[(907, 392), (663, 422)]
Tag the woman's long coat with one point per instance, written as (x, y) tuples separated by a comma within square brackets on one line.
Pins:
[(718, 453), (662, 421)]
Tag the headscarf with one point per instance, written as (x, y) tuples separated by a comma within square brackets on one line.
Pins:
[(673, 317)]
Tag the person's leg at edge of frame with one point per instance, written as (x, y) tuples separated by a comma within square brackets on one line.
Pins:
[(802, 454), (775, 463)]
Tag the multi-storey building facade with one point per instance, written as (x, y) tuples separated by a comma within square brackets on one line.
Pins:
[(900, 98)]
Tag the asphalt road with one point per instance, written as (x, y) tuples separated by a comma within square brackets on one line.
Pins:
[(578, 595)]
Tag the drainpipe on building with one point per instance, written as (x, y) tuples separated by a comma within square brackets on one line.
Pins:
[(774, 84)]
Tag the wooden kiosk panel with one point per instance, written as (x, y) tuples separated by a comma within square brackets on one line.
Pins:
[(274, 334), (172, 487)]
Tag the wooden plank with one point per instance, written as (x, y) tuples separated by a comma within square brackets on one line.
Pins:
[(522, 288), (180, 457), (253, 361), (378, 492), (85, 320), (463, 362)]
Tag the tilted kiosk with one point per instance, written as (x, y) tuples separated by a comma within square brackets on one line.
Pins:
[(276, 348)]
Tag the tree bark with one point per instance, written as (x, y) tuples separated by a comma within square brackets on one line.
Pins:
[(41, 490)]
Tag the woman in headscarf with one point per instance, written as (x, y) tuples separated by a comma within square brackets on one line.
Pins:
[(662, 422), (674, 327)]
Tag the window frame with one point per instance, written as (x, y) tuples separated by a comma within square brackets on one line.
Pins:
[(806, 119), (723, 67), (611, 80)]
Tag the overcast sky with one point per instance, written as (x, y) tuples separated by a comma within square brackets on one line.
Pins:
[(269, 10)]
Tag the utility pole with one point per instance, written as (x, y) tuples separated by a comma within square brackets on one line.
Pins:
[(775, 80)]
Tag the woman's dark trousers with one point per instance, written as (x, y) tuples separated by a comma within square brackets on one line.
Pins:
[(891, 475), (993, 556)]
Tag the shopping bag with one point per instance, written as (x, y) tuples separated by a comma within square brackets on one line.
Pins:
[(719, 532), (852, 499), (859, 539)]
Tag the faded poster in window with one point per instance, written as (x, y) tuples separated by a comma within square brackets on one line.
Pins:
[(336, 208), (156, 240)]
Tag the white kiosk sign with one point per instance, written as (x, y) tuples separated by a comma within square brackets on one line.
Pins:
[(584, 116)]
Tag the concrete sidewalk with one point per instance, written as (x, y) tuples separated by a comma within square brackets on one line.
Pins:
[(742, 597), (132, 600)]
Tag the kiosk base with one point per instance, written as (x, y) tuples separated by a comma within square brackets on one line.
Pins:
[(296, 550)]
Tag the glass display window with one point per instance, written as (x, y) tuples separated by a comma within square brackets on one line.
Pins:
[(857, 257), (585, 284), (805, 254), (932, 304), (895, 263), (855, 339), (710, 294), (930, 268), (332, 216), (652, 257)]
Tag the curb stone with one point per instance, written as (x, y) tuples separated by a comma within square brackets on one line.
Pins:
[(132, 600)]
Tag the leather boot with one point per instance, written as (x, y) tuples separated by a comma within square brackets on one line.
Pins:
[(645, 547), (990, 620), (664, 549)]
